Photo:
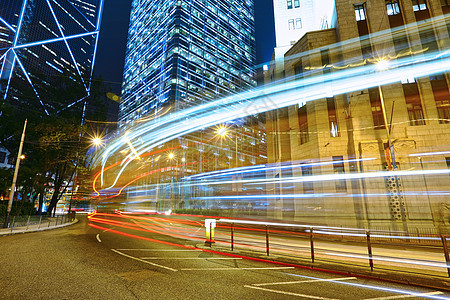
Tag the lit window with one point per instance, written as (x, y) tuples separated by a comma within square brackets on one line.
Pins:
[(419, 5), (360, 12), (296, 3), (298, 23), (392, 7), (291, 24), (289, 4)]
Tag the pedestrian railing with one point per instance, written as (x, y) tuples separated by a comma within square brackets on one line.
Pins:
[(398, 251), (32, 223)]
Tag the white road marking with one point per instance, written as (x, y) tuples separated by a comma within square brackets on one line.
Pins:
[(108, 229), (164, 250), (98, 237), (405, 296), (286, 293), (234, 269), (302, 281), (147, 262), (169, 258)]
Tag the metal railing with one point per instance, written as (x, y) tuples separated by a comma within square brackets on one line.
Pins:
[(29, 223), (414, 253)]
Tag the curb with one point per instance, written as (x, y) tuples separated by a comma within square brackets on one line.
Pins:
[(37, 230)]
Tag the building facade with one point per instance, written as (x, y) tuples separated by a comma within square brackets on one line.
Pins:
[(44, 44), (294, 18), (185, 53), (397, 127)]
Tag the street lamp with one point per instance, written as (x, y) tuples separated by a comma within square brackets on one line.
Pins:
[(171, 156), (16, 171), (382, 65), (222, 132), (97, 141)]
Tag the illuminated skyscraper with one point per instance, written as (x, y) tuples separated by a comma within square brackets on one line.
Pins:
[(186, 52), (43, 42)]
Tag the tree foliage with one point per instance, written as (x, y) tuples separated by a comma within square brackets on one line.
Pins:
[(56, 144)]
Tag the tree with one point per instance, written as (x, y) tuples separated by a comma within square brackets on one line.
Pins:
[(56, 144)]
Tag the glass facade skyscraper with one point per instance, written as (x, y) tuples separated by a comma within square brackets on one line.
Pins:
[(186, 52), (43, 42)]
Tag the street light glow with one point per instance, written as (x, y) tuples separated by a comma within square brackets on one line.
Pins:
[(171, 156), (97, 141), (382, 65), (222, 131)]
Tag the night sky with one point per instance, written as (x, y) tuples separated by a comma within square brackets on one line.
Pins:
[(114, 29)]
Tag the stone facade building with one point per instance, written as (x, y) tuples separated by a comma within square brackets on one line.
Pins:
[(388, 130)]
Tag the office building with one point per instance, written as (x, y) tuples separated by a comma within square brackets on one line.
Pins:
[(47, 44), (404, 126), (184, 53)]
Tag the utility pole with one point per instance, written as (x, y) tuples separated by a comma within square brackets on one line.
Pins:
[(16, 171)]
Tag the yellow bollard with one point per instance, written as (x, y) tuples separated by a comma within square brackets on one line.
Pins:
[(210, 224)]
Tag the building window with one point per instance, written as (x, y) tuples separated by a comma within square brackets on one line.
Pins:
[(308, 186), (332, 117), (447, 160), (289, 4), (296, 3), (338, 168), (291, 24), (392, 7), (298, 69), (441, 97), (2, 157), (445, 6), (419, 5), (443, 108), (413, 104), (428, 40), (303, 125), (360, 12), (298, 23), (377, 112)]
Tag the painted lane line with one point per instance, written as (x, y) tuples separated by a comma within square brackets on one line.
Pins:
[(108, 229), (98, 237), (303, 281), (164, 250), (405, 296), (234, 269), (186, 258), (380, 288), (287, 293), (147, 262)]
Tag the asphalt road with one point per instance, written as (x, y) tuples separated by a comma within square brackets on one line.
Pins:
[(81, 262)]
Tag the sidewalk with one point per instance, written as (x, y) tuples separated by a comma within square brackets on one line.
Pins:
[(51, 223)]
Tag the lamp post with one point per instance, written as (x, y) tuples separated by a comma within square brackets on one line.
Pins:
[(171, 157), (222, 132), (382, 65), (16, 172)]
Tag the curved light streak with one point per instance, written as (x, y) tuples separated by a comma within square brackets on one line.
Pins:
[(149, 135)]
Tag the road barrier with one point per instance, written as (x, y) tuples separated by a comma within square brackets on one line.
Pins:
[(384, 250), (33, 223)]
